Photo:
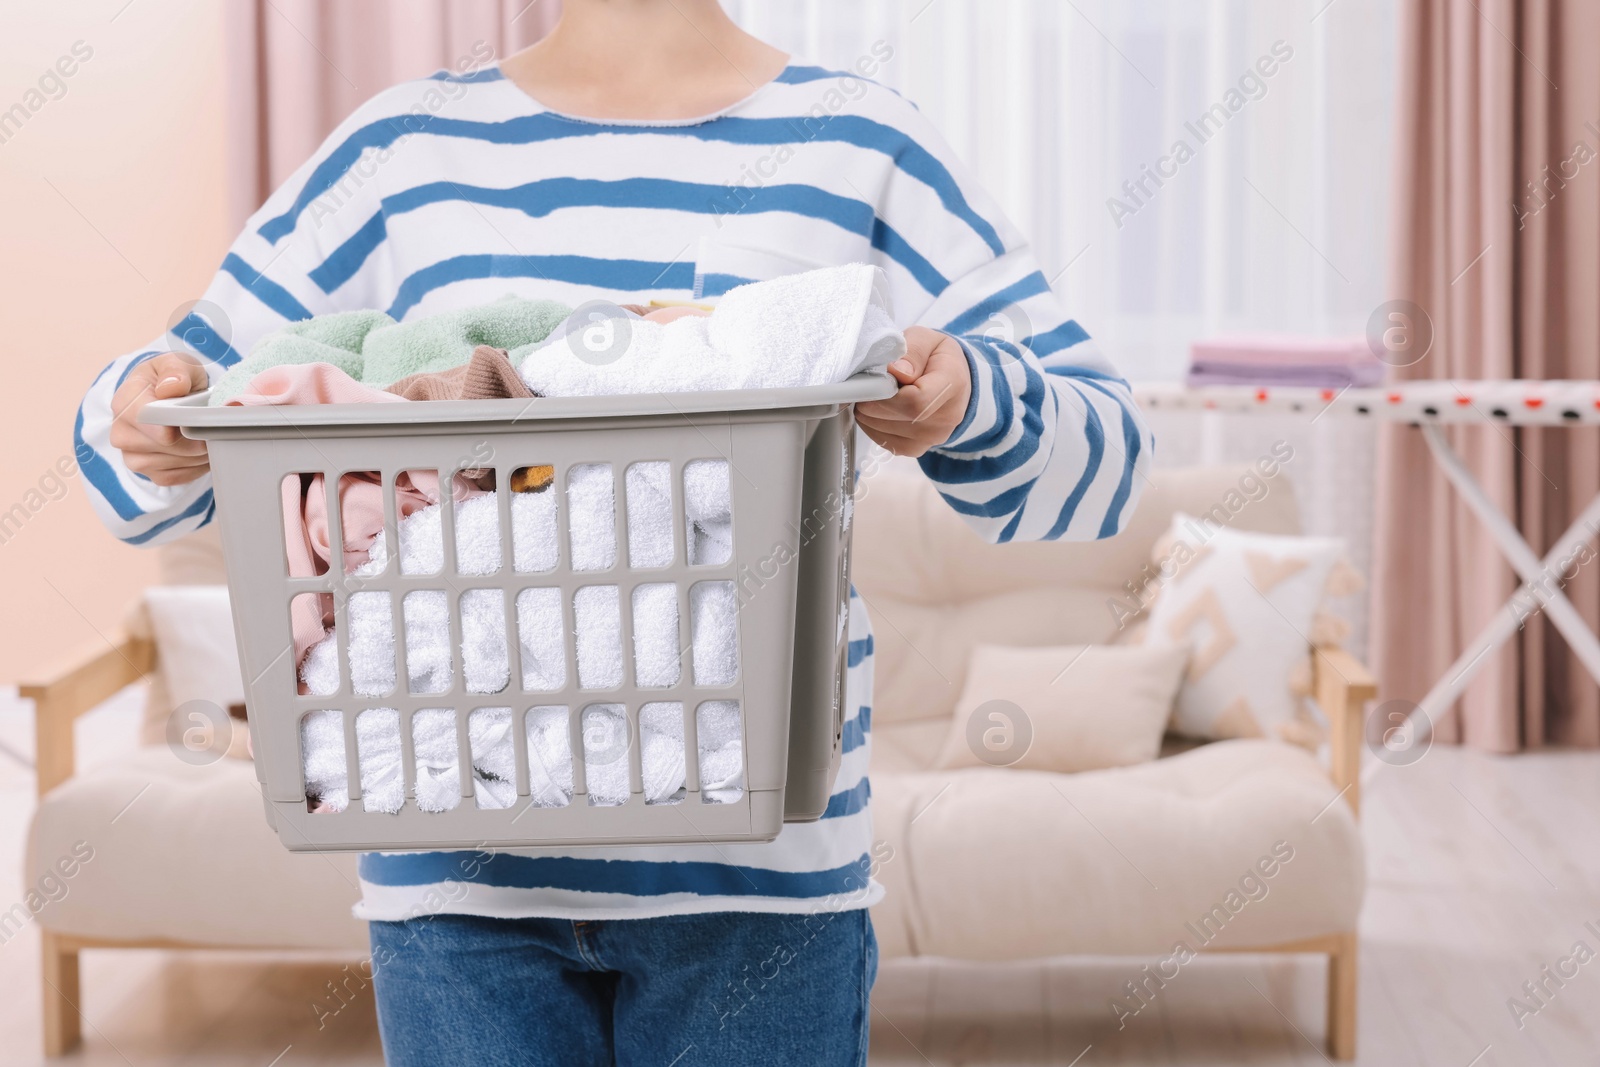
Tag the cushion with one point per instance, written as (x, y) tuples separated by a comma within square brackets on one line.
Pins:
[(198, 663), (1067, 709), (935, 588), (191, 859), (1245, 603), (999, 864)]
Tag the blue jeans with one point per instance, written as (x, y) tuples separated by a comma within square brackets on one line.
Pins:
[(729, 989)]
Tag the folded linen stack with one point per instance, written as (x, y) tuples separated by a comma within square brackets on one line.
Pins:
[(1266, 359)]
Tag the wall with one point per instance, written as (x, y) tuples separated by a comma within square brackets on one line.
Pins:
[(112, 213)]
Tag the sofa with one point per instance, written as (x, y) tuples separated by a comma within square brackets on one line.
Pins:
[(979, 864)]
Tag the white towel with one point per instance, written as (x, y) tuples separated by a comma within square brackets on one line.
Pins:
[(591, 516), (657, 659), (599, 638), (708, 509), (812, 328), (649, 493), (542, 635), (720, 746), (714, 613)]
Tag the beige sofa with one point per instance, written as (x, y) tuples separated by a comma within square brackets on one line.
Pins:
[(981, 864)]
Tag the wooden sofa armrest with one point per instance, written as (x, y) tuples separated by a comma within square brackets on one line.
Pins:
[(74, 688), (1342, 685)]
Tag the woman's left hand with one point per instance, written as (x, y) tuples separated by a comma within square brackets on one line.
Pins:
[(935, 385)]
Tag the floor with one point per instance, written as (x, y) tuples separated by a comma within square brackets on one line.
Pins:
[(1482, 871)]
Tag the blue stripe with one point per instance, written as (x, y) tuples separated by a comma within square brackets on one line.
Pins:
[(1130, 438), (197, 335), (95, 467), (343, 262), (1096, 436), (715, 284), (858, 651), (1072, 370), (624, 275), (264, 289), (856, 730), (488, 74), (541, 198), (799, 75), (640, 878), (979, 313), (957, 467), (850, 801), (1066, 335), (1004, 504), (202, 503), (909, 156)]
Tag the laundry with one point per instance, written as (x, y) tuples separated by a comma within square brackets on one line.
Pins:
[(811, 328), (492, 751), (434, 746), (374, 350), (426, 617), (488, 375)]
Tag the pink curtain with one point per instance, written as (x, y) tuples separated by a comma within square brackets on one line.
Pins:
[(298, 67), (1497, 237)]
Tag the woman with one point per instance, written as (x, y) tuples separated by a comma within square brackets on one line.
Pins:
[(651, 149)]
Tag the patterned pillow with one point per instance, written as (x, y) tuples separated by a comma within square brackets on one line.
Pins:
[(1248, 606)]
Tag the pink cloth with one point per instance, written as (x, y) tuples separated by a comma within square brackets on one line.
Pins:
[(305, 499)]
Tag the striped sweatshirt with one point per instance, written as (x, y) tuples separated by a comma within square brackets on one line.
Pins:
[(454, 190)]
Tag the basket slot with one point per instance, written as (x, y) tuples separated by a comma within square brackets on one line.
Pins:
[(714, 614), (708, 505), (550, 766), (657, 655), (542, 646), (591, 517), (432, 657), (529, 511), (421, 545), (608, 757), (721, 722), (370, 642), (436, 743), (480, 617), (597, 612), (325, 733), (322, 667), (650, 524), (382, 743), (661, 726), (478, 546), (489, 737)]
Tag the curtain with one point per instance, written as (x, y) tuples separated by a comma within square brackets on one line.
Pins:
[(1497, 238), (1278, 222), (298, 67)]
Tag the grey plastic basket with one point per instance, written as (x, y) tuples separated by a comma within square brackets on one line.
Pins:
[(791, 459)]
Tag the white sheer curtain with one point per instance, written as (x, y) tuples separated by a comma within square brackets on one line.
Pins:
[(1275, 218)]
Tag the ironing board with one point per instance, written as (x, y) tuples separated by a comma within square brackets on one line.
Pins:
[(1431, 405)]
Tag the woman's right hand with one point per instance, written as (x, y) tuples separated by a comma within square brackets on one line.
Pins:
[(160, 453)]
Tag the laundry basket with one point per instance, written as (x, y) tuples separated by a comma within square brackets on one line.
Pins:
[(790, 463)]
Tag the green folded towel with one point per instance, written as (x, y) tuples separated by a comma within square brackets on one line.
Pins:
[(375, 350)]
